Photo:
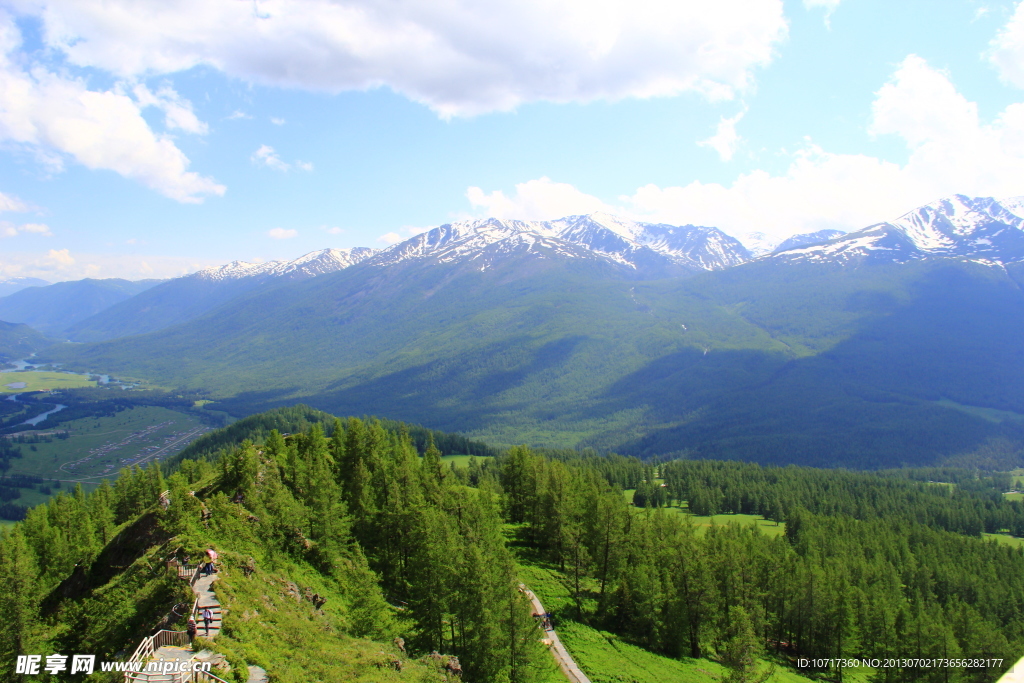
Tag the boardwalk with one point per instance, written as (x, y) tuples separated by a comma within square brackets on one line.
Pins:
[(558, 651), (205, 598)]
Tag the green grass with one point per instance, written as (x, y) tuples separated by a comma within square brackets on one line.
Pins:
[(1013, 495), (1006, 539), (462, 461), (702, 522), (37, 380), (100, 446)]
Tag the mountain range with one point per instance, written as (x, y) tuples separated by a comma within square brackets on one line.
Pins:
[(894, 344)]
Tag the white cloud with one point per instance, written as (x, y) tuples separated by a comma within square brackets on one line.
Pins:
[(726, 140), (391, 238), (1007, 49), (266, 156), (54, 113), (61, 257), (461, 57), (12, 203), (177, 110), (276, 121), (58, 264), (11, 230), (238, 114), (334, 230), (282, 233), (951, 151), (829, 5), (540, 199)]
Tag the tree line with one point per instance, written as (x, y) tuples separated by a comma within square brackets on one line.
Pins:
[(861, 570)]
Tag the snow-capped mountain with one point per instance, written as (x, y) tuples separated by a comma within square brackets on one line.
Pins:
[(759, 244), (645, 248), (310, 265), (976, 228), (807, 239)]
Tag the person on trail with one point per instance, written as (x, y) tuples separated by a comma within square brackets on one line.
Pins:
[(211, 555), (191, 629), (207, 617)]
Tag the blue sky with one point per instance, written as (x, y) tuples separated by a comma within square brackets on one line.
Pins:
[(150, 139)]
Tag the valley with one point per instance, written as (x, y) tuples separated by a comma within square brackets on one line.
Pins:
[(86, 450)]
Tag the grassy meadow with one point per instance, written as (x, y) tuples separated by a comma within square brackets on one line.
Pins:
[(462, 461), (702, 523), (39, 380), (100, 446)]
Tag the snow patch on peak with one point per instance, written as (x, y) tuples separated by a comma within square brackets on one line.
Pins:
[(759, 244), (1014, 205), (308, 265)]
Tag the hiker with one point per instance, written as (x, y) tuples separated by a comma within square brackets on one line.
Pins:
[(211, 555), (207, 618), (191, 629)]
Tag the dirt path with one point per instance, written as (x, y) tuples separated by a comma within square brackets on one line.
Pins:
[(558, 651)]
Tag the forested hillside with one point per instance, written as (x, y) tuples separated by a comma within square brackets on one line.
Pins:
[(400, 545), (357, 517), (19, 341)]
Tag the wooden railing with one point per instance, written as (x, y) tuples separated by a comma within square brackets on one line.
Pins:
[(143, 652), (176, 638)]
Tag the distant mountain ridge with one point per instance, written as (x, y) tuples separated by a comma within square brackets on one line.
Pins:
[(640, 338), (309, 265), (13, 284), (188, 297), (52, 309), (649, 250), (980, 229)]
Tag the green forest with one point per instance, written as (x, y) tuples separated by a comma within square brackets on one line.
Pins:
[(349, 550)]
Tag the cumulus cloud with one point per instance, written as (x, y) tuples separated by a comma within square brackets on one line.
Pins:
[(390, 238), (461, 57), (177, 110), (282, 233), (266, 156), (951, 151), (1007, 49), (540, 199), (61, 257), (726, 140), (59, 115)]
